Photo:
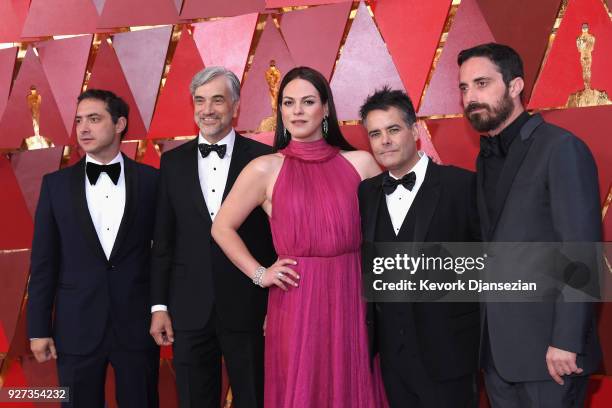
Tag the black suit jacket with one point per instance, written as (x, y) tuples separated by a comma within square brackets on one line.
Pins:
[(190, 273), (547, 192), (70, 272), (445, 210)]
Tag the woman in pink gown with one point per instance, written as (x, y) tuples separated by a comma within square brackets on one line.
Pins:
[(316, 352)]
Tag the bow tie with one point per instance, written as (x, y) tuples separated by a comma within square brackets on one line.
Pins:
[(390, 184), (491, 146), (93, 171), (206, 148)]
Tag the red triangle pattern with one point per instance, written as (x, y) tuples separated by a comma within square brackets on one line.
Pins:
[(226, 42), (12, 16), (469, 28), (193, 9), (55, 17), (15, 267), (30, 166), (129, 148), (455, 141), (14, 215), (16, 122), (561, 74), (255, 96), (106, 73), (286, 3), (174, 110), (412, 38), (313, 35), (7, 66), (121, 13), (64, 63), (364, 66), (142, 55), (151, 157)]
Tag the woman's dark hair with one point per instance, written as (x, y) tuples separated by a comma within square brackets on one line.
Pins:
[(334, 135)]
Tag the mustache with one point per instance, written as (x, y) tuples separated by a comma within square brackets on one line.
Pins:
[(472, 106)]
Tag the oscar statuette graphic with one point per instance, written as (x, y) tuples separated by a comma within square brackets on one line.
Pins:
[(587, 96), (273, 78), (34, 100)]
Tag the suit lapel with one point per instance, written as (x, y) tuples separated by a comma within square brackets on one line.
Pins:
[(192, 179), (483, 213), (240, 158), (426, 201), (374, 196), (131, 198), (79, 201), (514, 160)]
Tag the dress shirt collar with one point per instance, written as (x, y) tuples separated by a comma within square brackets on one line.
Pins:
[(419, 169), (118, 159), (510, 132), (228, 140)]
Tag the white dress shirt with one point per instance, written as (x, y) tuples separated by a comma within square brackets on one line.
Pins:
[(106, 203), (400, 201), (212, 172)]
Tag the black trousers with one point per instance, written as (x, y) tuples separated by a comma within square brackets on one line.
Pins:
[(408, 384), (136, 375), (197, 362)]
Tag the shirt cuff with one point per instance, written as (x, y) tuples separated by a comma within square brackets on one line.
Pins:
[(159, 308)]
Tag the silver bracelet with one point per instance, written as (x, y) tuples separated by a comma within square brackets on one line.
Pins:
[(258, 277)]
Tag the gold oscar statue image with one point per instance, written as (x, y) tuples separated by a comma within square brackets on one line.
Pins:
[(34, 100), (273, 78), (587, 96)]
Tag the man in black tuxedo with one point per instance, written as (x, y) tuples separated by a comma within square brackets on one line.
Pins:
[(536, 183), (201, 303), (90, 263), (428, 351)]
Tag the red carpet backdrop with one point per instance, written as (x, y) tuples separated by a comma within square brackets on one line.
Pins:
[(146, 51)]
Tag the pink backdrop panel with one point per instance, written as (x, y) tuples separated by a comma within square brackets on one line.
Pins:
[(7, 66), (285, 3), (357, 136), (469, 28), (59, 17), (64, 63), (15, 219), (592, 125), (412, 30), (129, 148), (455, 141), (12, 16), (561, 74), (220, 8), (30, 166), (13, 280), (313, 35), (16, 122), (527, 33), (142, 55), (226, 42), (174, 110), (121, 13), (151, 156), (106, 73), (364, 66), (255, 98)]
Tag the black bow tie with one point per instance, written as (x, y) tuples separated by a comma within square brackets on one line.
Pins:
[(93, 171), (491, 146), (390, 184), (206, 148)]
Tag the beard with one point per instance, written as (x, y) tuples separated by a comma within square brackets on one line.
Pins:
[(491, 117)]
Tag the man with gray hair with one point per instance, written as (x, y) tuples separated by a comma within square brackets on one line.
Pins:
[(201, 303)]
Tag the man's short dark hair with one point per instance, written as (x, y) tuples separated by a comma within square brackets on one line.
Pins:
[(508, 62), (385, 98), (114, 105)]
